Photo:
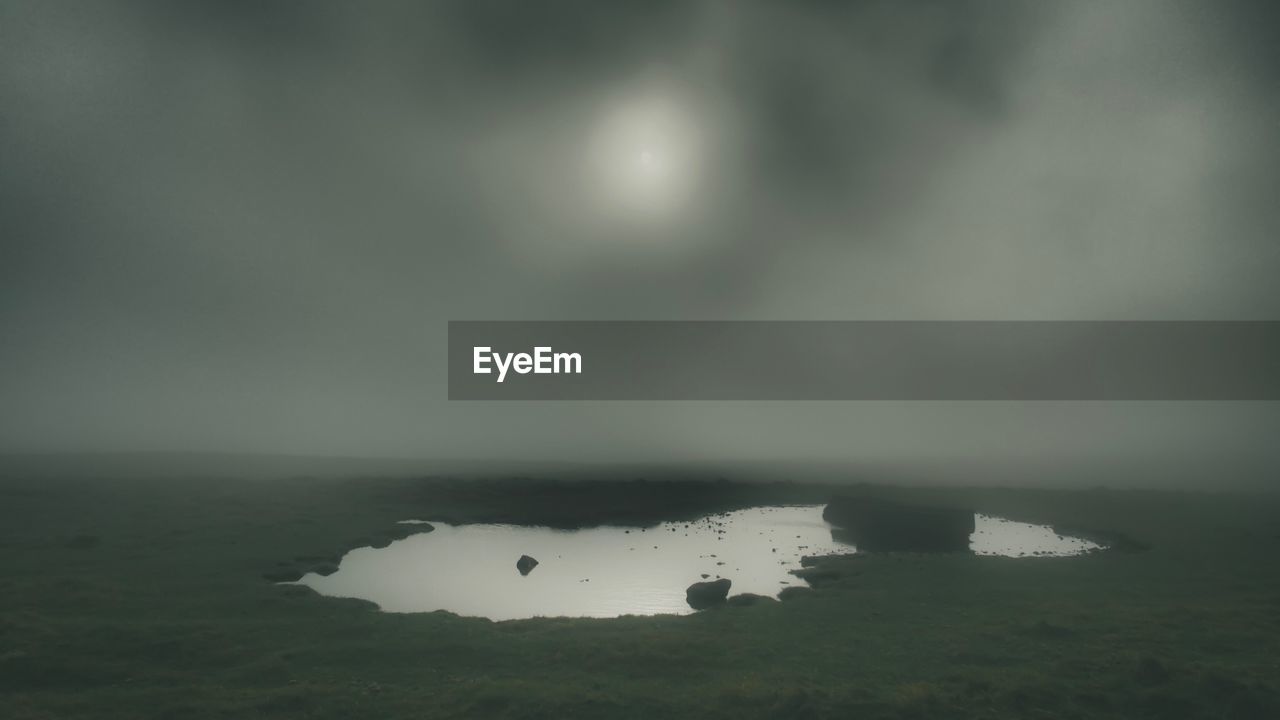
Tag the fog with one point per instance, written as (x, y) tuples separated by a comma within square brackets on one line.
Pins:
[(241, 227)]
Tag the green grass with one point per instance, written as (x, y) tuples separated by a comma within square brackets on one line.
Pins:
[(141, 599)]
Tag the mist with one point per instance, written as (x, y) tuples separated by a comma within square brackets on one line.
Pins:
[(242, 227)]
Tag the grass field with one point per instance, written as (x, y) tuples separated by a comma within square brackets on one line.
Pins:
[(133, 599)]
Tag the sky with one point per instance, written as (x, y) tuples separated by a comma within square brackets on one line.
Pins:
[(242, 226)]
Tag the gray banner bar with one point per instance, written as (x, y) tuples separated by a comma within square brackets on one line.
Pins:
[(864, 360)]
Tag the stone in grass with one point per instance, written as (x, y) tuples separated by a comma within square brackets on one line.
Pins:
[(816, 575), (526, 564), (745, 599), (793, 592), (703, 595)]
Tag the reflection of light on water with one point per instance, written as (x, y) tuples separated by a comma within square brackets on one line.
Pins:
[(997, 536), (612, 571), (594, 572)]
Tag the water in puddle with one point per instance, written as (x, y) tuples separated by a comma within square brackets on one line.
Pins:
[(997, 536), (612, 571)]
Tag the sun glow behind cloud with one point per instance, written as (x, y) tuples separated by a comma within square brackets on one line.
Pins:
[(636, 172), (645, 158)]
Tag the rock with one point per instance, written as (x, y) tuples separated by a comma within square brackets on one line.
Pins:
[(791, 593), (816, 575), (745, 599), (526, 564), (875, 525), (706, 594)]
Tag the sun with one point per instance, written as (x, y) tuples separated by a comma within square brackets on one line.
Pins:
[(644, 157)]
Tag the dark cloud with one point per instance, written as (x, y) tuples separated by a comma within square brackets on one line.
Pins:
[(242, 225)]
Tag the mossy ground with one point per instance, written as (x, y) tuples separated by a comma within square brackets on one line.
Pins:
[(141, 599)]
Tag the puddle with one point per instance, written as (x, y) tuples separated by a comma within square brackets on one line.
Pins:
[(997, 536), (613, 571)]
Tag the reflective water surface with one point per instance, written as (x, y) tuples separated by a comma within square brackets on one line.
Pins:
[(612, 571), (997, 536)]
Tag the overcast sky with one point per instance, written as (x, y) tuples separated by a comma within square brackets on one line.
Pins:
[(242, 226)]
